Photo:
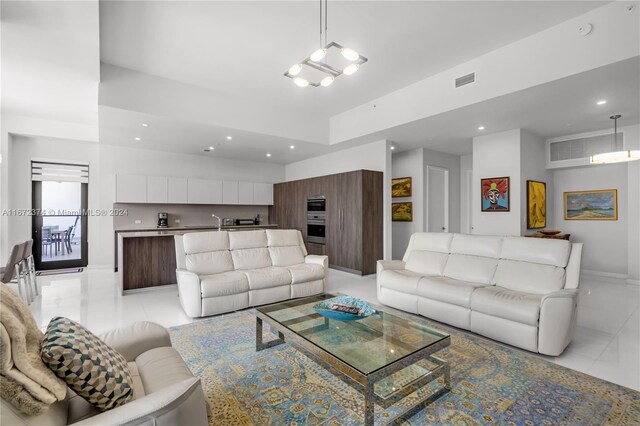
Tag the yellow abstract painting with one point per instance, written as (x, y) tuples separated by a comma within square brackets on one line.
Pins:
[(536, 204)]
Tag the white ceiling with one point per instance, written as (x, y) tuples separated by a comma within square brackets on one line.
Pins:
[(243, 47), (50, 60)]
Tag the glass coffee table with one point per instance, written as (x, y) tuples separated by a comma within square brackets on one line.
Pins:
[(384, 356)]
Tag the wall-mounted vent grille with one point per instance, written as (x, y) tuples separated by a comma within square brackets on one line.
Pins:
[(465, 79), (584, 147)]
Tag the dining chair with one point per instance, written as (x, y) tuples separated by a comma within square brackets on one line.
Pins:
[(31, 268), (67, 239), (23, 273), (15, 270), (73, 233), (47, 240)]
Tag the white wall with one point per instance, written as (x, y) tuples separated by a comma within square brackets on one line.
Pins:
[(105, 161), (373, 156), (451, 163), (497, 155), (408, 164), (466, 165), (605, 242), (533, 167)]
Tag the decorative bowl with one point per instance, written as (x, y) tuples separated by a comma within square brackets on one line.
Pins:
[(549, 232), (324, 308)]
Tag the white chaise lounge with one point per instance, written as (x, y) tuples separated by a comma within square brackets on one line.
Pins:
[(222, 271), (521, 291)]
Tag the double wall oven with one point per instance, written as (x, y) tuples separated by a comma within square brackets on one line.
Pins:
[(316, 209)]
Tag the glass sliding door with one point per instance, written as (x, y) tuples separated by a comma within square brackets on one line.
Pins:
[(60, 222)]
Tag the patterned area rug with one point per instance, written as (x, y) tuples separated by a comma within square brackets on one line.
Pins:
[(492, 384)]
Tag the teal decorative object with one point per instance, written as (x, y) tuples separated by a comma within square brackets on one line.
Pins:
[(361, 309)]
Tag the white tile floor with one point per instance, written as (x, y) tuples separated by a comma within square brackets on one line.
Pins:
[(606, 342)]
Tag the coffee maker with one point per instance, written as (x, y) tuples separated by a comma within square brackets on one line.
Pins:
[(163, 220)]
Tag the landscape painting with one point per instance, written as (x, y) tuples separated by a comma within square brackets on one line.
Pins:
[(402, 212), (536, 204), (401, 187), (591, 205), (495, 194)]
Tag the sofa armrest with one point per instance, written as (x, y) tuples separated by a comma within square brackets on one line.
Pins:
[(154, 406), (384, 265), (319, 260), (137, 338), (558, 312), (190, 292)]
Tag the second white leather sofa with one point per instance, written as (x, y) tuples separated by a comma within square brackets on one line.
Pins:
[(222, 271), (521, 291)]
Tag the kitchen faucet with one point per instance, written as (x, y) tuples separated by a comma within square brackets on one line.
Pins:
[(219, 222)]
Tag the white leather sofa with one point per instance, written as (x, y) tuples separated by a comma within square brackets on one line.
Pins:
[(165, 391), (521, 291), (222, 271)]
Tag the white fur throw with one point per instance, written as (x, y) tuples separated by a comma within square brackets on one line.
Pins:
[(20, 364)]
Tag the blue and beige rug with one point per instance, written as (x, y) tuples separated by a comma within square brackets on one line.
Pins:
[(492, 384)]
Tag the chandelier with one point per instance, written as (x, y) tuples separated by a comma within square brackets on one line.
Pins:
[(615, 156), (318, 60)]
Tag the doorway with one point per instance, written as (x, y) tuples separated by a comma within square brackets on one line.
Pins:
[(59, 225), (437, 196)]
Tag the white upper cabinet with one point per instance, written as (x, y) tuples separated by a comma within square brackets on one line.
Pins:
[(156, 189), (263, 194), (131, 189), (177, 190), (204, 191), (230, 192), (245, 193)]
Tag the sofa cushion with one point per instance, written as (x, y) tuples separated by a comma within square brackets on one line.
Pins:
[(91, 368), (400, 280), (471, 268), (247, 239), (426, 262), (284, 237), (286, 256), (200, 242), (476, 245), (430, 241), (161, 367), (447, 290), (254, 258), (272, 276), (508, 304), (212, 262), (537, 250), (529, 277), (306, 272), (224, 284)]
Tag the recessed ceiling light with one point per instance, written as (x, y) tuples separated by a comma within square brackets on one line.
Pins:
[(392, 148), (292, 146), (602, 102), (138, 139), (145, 125), (268, 155), (229, 138), (481, 128), (211, 148)]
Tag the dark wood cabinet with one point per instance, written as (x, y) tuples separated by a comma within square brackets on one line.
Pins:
[(354, 216)]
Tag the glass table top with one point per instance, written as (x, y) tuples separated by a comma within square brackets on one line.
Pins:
[(367, 344)]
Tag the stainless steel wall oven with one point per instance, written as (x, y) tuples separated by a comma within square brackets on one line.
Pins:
[(316, 209)]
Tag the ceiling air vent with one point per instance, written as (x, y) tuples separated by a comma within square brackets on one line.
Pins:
[(465, 79)]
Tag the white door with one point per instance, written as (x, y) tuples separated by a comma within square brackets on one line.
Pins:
[(469, 224), (437, 197)]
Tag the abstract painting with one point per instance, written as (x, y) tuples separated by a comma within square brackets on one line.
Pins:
[(402, 212), (536, 204), (601, 204), (401, 187), (495, 194)]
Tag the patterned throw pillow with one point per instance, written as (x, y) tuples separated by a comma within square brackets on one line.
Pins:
[(90, 367)]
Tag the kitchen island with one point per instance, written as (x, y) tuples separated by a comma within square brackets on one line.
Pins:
[(146, 257)]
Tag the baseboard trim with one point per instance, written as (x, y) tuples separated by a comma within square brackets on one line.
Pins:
[(605, 274)]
